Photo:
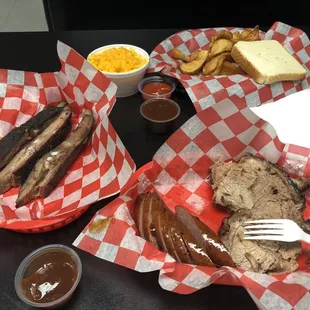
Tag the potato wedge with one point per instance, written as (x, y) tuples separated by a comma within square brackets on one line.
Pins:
[(214, 66), (236, 36), (244, 34), (194, 55), (220, 46), (250, 34), (180, 56), (229, 68), (222, 34), (195, 66)]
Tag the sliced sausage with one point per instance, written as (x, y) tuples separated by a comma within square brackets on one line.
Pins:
[(166, 217), (157, 231), (205, 238), (138, 213), (180, 246), (199, 256), (163, 216), (143, 216)]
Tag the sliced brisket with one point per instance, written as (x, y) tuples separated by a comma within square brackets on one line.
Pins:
[(251, 189), (257, 256), (259, 186)]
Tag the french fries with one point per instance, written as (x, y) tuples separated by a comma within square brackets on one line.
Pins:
[(217, 60)]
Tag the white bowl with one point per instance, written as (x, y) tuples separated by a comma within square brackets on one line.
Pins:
[(126, 82)]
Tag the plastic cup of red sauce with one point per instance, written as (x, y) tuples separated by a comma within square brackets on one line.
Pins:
[(156, 87)]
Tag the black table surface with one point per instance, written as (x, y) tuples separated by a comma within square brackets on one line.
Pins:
[(103, 285)]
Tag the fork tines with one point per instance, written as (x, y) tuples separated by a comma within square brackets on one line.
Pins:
[(264, 229)]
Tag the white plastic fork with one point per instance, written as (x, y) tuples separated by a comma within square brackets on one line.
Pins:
[(276, 230)]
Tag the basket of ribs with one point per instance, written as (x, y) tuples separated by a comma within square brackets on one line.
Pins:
[(57, 147), (183, 214)]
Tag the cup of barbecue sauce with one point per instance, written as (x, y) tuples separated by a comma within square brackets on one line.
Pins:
[(47, 277), (156, 87), (160, 114)]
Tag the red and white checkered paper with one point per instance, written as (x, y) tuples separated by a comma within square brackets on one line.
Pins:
[(179, 172), (205, 91), (102, 169)]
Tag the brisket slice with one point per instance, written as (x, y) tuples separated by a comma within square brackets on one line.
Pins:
[(303, 184), (252, 189), (51, 168), (258, 256), (13, 142), (259, 186), (206, 238), (19, 167)]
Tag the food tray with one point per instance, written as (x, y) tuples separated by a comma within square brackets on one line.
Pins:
[(103, 167), (179, 172), (205, 91), (225, 279)]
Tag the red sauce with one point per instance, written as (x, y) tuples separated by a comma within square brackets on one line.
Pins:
[(157, 88)]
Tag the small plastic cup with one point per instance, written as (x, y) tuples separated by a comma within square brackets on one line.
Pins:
[(162, 126), (33, 255), (153, 79)]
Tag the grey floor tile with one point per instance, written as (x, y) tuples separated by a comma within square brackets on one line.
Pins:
[(5, 9), (25, 16)]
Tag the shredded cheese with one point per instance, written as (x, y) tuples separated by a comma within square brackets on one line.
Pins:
[(117, 60)]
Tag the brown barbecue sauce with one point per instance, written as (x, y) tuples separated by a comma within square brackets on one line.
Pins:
[(49, 277), (160, 109)]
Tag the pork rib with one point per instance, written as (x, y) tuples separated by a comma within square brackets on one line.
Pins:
[(14, 141), (19, 167), (50, 169)]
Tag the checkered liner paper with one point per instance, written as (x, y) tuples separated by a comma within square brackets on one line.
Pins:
[(205, 91), (102, 169), (179, 172)]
